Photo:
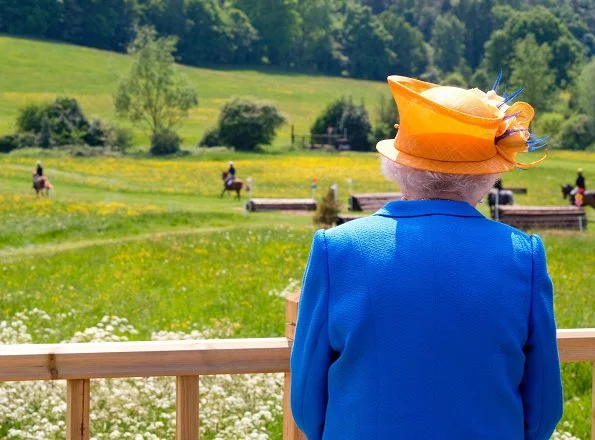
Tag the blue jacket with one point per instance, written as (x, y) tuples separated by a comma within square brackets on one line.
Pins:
[(426, 321)]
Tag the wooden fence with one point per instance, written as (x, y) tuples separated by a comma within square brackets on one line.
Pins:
[(187, 360)]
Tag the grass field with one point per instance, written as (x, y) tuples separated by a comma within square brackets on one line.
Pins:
[(151, 241), (34, 71)]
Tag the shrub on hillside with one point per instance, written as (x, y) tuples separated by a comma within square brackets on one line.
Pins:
[(122, 138), (15, 141), (165, 142), (210, 138), (577, 133), (549, 124), (454, 79), (63, 122), (99, 133), (344, 116), (327, 211), (246, 124), (67, 122), (31, 118)]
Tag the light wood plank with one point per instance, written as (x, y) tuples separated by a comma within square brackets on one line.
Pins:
[(290, 429), (143, 359), (576, 345), (77, 409), (291, 308), (187, 398)]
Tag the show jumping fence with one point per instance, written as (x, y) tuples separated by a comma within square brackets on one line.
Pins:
[(78, 364)]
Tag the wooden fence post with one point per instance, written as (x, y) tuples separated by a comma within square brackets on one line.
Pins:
[(290, 429), (77, 409), (187, 420), (593, 404)]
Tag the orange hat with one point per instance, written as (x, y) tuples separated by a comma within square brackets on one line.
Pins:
[(453, 130)]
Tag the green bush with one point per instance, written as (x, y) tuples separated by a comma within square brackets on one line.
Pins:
[(455, 79), (99, 133), (549, 124), (246, 124), (15, 141), (122, 138), (344, 116), (210, 138), (31, 118), (67, 122), (577, 133), (165, 142), (327, 211)]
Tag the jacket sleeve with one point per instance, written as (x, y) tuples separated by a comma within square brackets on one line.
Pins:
[(541, 387), (312, 354)]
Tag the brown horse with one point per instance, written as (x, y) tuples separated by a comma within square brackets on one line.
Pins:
[(236, 185), (588, 196), (42, 185)]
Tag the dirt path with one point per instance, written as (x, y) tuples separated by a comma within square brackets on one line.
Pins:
[(10, 255)]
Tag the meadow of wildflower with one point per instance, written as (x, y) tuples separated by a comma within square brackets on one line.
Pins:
[(138, 249)]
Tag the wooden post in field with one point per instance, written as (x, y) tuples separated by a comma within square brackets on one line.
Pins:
[(77, 409), (593, 404), (290, 430), (187, 408)]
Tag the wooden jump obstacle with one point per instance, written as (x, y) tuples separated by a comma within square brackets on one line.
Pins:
[(371, 201), (260, 205), (344, 218), (516, 189), (552, 217)]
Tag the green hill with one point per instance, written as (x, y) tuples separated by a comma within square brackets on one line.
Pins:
[(33, 71)]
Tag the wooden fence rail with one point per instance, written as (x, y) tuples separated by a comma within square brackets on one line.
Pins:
[(187, 360)]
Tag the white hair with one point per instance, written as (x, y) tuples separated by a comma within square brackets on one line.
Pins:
[(419, 184)]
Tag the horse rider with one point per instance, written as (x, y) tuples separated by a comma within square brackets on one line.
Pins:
[(231, 174), (38, 172), (498, 185), (580, 181)]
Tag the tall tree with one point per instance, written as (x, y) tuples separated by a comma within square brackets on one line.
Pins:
[(567, 52), (106, 24), (365, 43), (277, 23), (316, 47), (29, 17), (407, 43), (477, 16), (530, 70), (448, 41), (586, 91), (243, 36), (154, 94), (205, 38)]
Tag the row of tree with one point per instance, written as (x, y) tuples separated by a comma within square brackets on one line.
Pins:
[(359, 38)]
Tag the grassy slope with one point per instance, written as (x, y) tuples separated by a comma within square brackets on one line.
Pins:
[(33, 71)]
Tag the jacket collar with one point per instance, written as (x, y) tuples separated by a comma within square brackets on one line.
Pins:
[(416, 208)]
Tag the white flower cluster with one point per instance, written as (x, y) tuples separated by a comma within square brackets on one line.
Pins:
[(231, 406), (292, 287)]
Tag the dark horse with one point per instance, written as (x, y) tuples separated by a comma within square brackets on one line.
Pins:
[(505, 197), (41, 184), (588, 196), (236, 185)]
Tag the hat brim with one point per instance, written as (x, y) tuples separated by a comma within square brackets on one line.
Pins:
[(495, 165)]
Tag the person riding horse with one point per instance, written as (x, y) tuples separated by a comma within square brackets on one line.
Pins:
[(38, 173), (41, 184), (231, 174)]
